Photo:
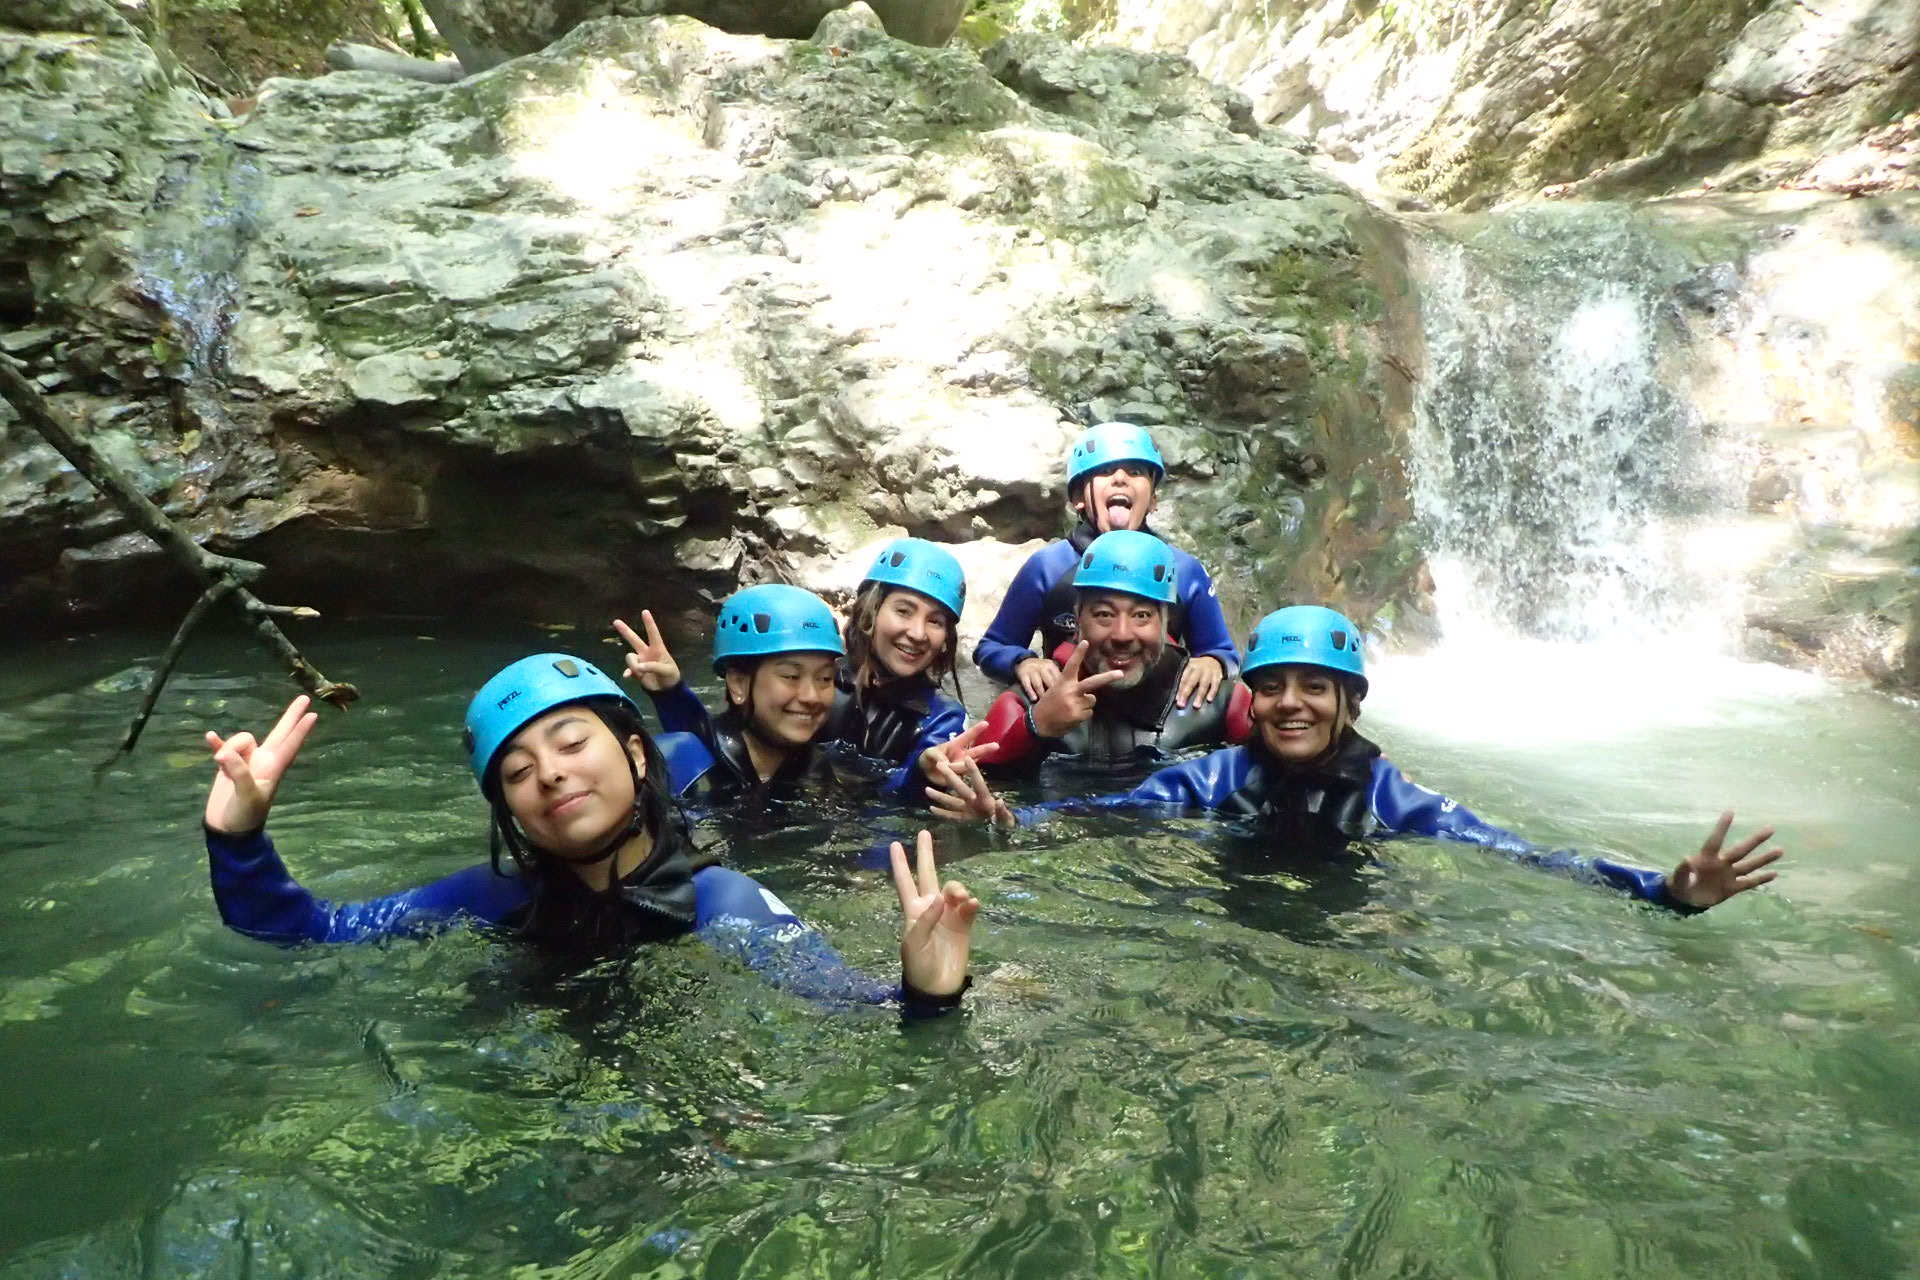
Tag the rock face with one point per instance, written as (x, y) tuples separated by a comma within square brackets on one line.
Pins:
[(661, 309), (485, 33), (1472, 102)]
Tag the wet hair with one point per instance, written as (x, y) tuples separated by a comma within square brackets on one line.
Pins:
[(653, 806), (868, 670)]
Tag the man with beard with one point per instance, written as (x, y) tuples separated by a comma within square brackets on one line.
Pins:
[(1116, 704), (1113, 477)]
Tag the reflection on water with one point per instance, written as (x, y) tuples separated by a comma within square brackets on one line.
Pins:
[(1188, 1056)]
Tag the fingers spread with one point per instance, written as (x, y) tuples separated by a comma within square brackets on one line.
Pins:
[(1757, 861), (1718, 834), (653, 631), (1072, 670), (902, 881), (1748, 845), (288, 719), (1101, 680), (923, 849)]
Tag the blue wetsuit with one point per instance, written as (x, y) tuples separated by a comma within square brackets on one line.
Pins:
[(1359, 793), (895, 722), (663, 898), (1040, 598)]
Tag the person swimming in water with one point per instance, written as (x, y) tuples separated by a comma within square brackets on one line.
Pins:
[(1113, 479), (1310, 782), (1124, 713), (884, 701), (583, 807)]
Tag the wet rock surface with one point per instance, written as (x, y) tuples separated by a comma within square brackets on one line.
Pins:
[(1463, 105), (662, 308)]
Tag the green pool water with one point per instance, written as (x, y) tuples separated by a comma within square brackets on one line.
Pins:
[(1185, 1056)]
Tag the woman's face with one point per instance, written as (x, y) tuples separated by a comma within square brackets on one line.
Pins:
[(1297, 711), (787, 697), (909, 632), (567, 782), (1119, 497)]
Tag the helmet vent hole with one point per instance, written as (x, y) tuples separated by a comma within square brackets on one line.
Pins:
[(567, 667), (762, 622), (895, 560), (1339, 639)]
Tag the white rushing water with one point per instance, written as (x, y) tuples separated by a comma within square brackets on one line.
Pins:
[(1556, 476)]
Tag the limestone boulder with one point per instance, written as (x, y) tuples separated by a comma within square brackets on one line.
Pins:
[(661, 308)]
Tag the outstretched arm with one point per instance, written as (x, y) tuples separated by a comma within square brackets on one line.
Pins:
[(1706, 878), (259, 897)]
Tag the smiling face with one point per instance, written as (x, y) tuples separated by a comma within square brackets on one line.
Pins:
[(1123, 633), (785, 697), (910, 631), (1300, 711), (1117, 497), (567, 780)]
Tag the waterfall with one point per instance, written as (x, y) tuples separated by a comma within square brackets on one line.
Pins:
[(189, 256), (1555, 471)]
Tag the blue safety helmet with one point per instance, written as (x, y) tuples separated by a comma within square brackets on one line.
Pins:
[(773, 618), (1308, 635), (524, 691), (922, 566), (1112, 442), (1130, 561)]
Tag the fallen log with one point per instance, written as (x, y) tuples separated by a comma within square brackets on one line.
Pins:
[(343, 55)]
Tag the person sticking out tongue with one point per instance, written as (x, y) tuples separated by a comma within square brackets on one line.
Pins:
[(1113, 478)]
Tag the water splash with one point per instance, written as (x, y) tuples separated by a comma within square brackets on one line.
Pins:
[(1555, 473)]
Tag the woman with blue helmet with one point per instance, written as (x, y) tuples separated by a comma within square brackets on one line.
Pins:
[(1314, 783), (581, 804), (902, 639), (1113, 476), (777, 650)]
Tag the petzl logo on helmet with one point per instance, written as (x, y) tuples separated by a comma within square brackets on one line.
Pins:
[(509, 698)]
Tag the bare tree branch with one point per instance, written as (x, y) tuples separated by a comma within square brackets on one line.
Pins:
[(222, 577)]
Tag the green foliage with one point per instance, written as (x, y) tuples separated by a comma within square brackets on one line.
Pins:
[(990, 20)]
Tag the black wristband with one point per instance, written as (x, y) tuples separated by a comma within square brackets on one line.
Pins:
[(910, 994)]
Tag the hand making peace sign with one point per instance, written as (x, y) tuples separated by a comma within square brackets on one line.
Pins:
[(250, 770), (649, 660), (938, 937), (1070, 701)]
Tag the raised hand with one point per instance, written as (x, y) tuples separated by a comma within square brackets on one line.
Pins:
[(649, 660), (963, 794), (1711, 876), (956, 749), (1036, 675), (1070, 701), (1200, 681), (937, 934), (249, 771)]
